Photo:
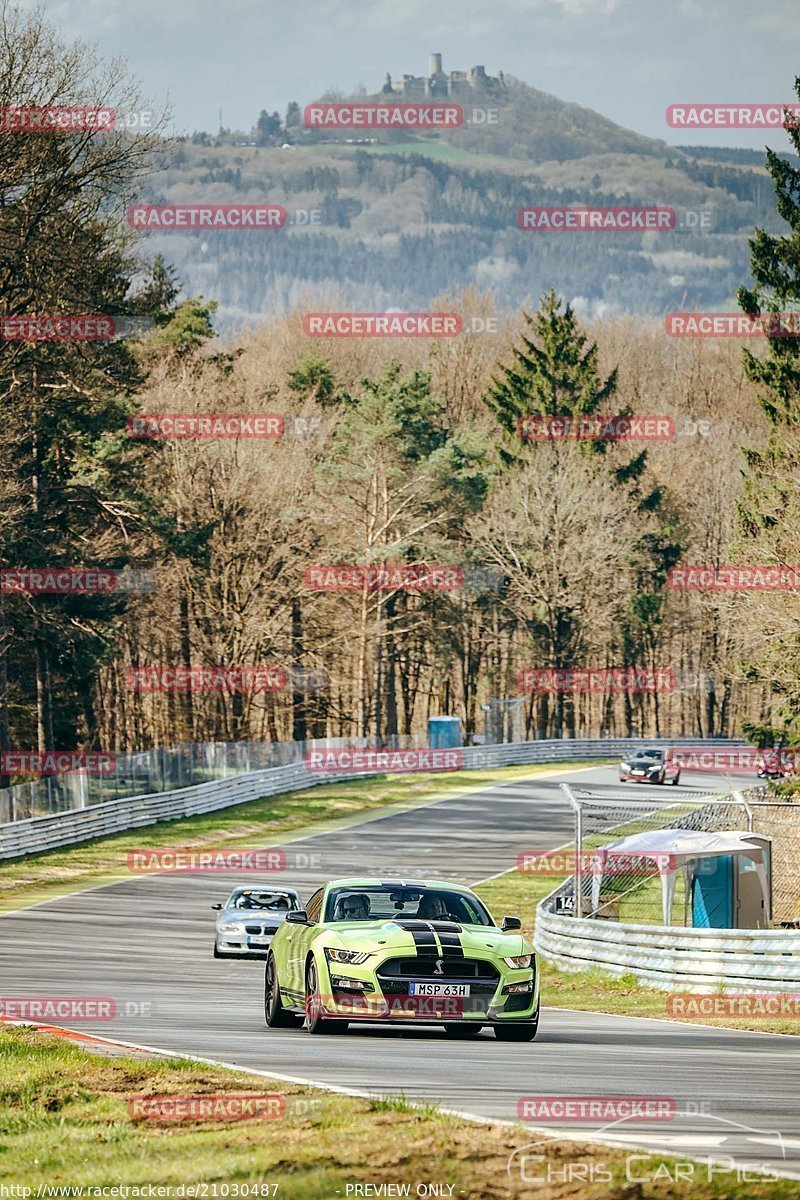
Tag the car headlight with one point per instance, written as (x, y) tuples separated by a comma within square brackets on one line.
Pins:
[(230, 927), (520, 961), (347, 956), (625, 766)]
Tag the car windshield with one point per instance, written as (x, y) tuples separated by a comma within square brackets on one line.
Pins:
[(405, 904), (277, 901), (650, 754)]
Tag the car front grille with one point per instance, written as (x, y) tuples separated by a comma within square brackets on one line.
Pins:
[(396, 973), (259, 930)]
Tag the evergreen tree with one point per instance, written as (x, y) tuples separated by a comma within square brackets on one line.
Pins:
[(555, 373), (769, 511)]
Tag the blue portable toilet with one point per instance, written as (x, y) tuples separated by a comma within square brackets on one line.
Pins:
[(712, 893), (444, 732)]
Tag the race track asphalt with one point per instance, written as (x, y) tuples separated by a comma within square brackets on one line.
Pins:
[(147, 943)]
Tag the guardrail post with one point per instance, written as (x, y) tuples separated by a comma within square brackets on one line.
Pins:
[(578, 885)]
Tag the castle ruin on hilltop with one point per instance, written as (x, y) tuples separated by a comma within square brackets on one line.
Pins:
[(439, 83)]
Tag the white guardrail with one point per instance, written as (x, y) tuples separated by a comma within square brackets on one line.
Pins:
[(675, 959), (37, 834)]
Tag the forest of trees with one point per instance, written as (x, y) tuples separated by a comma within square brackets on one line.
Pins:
[(395, 451), (396, 230)]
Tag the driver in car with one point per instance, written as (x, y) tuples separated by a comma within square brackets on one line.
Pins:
[(433, 908), (355, 908)]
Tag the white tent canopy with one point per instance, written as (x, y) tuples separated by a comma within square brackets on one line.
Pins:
[(672, 850)]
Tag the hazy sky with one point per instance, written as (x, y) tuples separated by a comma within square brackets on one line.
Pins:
[(628, 59)]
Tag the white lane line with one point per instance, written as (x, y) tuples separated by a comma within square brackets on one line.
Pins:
[(548, 1133), (684, 1024)]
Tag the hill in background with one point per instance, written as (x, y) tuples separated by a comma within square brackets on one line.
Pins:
[(403, 219)]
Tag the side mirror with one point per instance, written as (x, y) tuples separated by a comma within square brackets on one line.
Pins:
[(216, 907), (298, 916), (510, 923)]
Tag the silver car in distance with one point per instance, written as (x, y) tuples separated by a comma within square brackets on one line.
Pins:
[(248, 919)]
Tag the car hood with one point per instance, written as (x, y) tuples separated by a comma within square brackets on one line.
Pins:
[(378, 936), (250, 918)]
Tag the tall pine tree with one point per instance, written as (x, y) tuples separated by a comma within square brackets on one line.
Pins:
[(769, 511)]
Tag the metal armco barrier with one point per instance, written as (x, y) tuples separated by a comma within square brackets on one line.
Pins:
[(37, 834), (675, 959)]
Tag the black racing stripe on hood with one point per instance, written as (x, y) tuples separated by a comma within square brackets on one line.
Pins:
[(451, 945), (424, 937)]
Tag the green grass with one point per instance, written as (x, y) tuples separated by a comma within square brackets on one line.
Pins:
[(65, 1121), (595, 990), (443, 152), (257, 823)]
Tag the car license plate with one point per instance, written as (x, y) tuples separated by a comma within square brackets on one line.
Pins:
[(260, 941), (438, 989)]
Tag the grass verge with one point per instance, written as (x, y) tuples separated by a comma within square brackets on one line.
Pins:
[(597, 991), (66, 1122), (254, 824)]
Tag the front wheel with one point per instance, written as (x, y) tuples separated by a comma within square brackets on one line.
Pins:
[(315, 1022), (676, 780), (275, 1014)]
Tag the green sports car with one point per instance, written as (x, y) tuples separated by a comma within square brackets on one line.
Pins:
[(409, 952)]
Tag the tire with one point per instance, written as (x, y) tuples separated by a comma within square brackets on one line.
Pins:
[(314, 1022), (676, 780), (462, 1030), (520, 1031), (216, 951), (275, 1014)]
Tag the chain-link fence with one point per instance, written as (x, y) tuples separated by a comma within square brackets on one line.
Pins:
[(630, 888), (163, 769)]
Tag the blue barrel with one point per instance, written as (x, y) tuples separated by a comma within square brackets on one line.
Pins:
[(444, 732)]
